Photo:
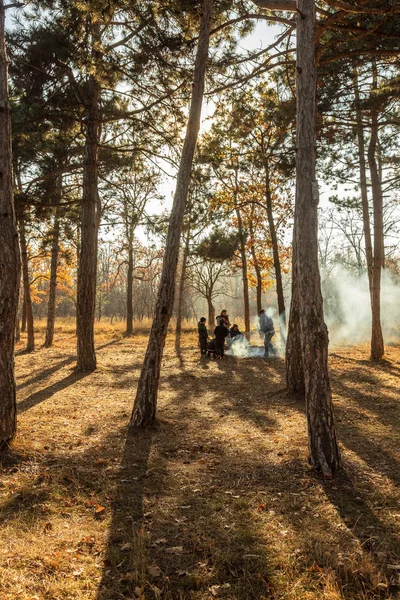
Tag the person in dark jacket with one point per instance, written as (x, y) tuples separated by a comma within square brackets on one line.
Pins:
[(211, 349), (223, 318), (234, 331), (203, 336), (267, 330), (220, 333)]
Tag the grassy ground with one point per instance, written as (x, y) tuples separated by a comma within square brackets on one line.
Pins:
[(217, 501)]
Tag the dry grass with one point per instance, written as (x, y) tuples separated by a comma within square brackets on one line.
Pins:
[(216, 501)]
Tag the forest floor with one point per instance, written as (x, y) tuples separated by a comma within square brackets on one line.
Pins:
[(217, 500)]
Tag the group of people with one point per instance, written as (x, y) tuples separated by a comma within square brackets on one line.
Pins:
[(224, 332)]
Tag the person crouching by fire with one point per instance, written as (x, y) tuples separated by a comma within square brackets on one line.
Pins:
[(235, 332), (203, 336), (267, 330)]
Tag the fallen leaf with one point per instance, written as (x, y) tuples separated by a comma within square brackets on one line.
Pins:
[(215, 589), (101, 461), (77, 573), (154, 571), (99, 511), (139, 592), (175, 550), (126, 546), (128, 577), (48, 527), (161, 541)]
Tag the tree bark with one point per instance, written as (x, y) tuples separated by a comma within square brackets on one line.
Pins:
[(178, 329), (30, 346), (144, 410), (18, 329), (9, 258), (211, 314), (23, 317), (129, 291), (256, 268), (55, 246), (244, 272), (293, 357), (275, 248), (86, 296), (323, 448), (363, 182), (377, 345)]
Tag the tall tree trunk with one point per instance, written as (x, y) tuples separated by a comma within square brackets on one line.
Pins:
[(243, 259), (55, 246), (363, 181), (86, 298), (323, 448), (9, 258), (211, 314), (182, 281), (380, 174), (377, 346), (244, 274), (18, 329), (23, 318), (293, 357), (256, 267), (144, 410), (30, 346), (275, 247), (129, 290)]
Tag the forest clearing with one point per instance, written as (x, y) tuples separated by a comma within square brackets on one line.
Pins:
[(199, 299), (216, 500)]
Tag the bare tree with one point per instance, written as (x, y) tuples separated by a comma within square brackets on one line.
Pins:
[(204, 278)]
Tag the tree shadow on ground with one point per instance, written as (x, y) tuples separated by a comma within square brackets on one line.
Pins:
[(126, 554), (236, 396), (360, 507), (42, 395), (353, 422), (172, 530), (350, 545), (361, 547), (375, 365), (39, 374), (44, 373), (229, 509)]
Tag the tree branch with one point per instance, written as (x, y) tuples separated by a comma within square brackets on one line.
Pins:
[(284, 5)]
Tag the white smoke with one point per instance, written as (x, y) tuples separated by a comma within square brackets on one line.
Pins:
[(347, 307), (241, 348)]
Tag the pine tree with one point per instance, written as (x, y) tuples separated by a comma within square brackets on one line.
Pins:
[(144, 410), (9, 258)]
